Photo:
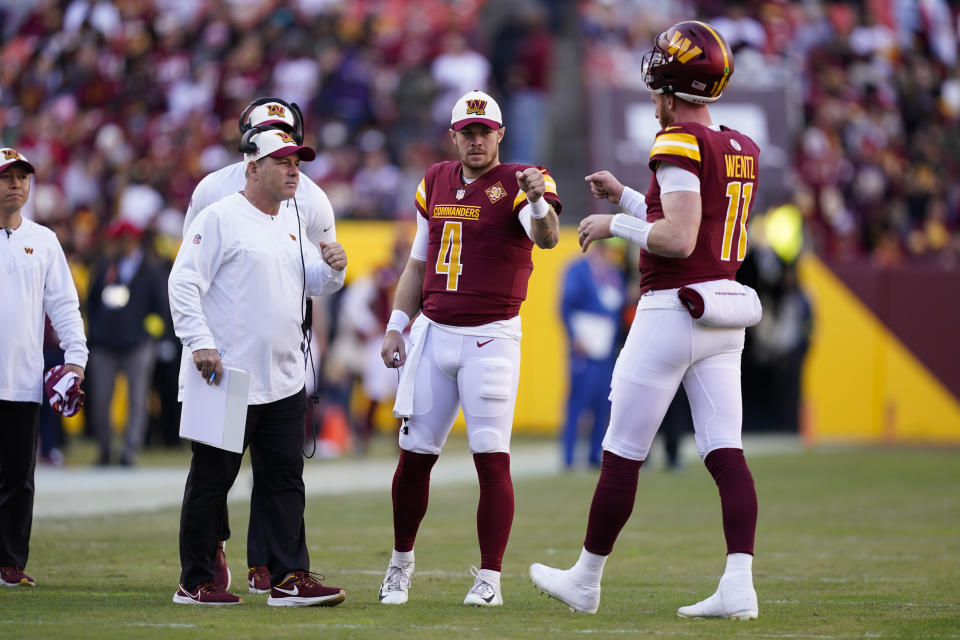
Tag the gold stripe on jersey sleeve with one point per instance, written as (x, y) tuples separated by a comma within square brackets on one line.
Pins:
[(422, 194), (521, 196), (549, 184), (677, 144), (684, 138)]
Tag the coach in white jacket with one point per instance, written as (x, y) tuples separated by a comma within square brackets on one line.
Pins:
[(34, 280), (312, 206), (237, 287)]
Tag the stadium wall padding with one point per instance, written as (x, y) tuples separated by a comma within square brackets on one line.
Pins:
[(861, 382)]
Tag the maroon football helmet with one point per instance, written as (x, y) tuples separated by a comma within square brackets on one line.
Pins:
[(690, 60)]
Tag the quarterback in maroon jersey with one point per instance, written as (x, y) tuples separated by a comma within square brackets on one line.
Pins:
[(477, 223), (691, 227)]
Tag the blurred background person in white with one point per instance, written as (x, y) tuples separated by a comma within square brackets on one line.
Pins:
[(364, 313)]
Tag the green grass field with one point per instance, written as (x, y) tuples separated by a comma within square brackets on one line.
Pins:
[(851, 543)]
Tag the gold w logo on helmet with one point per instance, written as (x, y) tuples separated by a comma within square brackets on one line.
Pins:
[(286, 137), (10, 154), (681, 44), (478, 107), (276, 110)]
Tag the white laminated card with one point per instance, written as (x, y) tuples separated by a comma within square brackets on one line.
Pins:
[(216, 414)]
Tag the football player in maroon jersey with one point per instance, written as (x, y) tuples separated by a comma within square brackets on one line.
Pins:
[(691, 226), (477, 223)]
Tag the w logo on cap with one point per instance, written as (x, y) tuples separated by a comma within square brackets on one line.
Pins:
[(10, 154), (286, 137), (478, 107), (276, 110)]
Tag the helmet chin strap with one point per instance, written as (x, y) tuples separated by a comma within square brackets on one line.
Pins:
[(698, 100)]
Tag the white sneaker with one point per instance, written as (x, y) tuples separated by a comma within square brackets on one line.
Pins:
[(735, 598), (396, 583), (580, 597), (483, 593)]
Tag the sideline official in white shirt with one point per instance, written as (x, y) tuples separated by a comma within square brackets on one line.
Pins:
[(238, 286), (312, 207), (35, 281)]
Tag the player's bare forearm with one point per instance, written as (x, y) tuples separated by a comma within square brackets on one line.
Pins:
[(546, 231), (675, 235), (410, 287), (406, 299)]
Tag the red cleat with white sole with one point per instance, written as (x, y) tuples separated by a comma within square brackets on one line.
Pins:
[(208, 593), (302, 589), (15, 577)]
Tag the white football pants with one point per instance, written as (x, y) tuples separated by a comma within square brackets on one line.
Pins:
[(480, 374), (665, 347)]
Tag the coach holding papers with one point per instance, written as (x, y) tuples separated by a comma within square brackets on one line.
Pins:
[(238, 286)]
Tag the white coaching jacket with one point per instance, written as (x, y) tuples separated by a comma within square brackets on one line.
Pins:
[(34, 280), (237, 285)]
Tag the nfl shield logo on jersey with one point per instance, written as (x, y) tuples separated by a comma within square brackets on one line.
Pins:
[(461, 193)]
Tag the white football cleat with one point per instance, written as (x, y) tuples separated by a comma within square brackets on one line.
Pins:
[(735, 598), (396, 583), (559, 584), (484, 593)]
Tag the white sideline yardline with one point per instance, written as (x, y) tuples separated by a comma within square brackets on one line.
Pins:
[(94, 491), (97, 491)]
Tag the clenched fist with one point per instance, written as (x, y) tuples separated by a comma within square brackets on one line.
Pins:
[(531, 182), (334, 255), (605, 186)]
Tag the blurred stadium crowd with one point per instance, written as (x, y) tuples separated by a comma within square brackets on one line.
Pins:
[(124, 105), (877, 154)]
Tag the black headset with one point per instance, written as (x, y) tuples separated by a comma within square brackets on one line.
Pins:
[(245, 126), (247, 145)]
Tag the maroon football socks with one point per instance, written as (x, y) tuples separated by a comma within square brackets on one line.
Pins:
[(495, 510), (612, 502), (738, 498), (411, 492)]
